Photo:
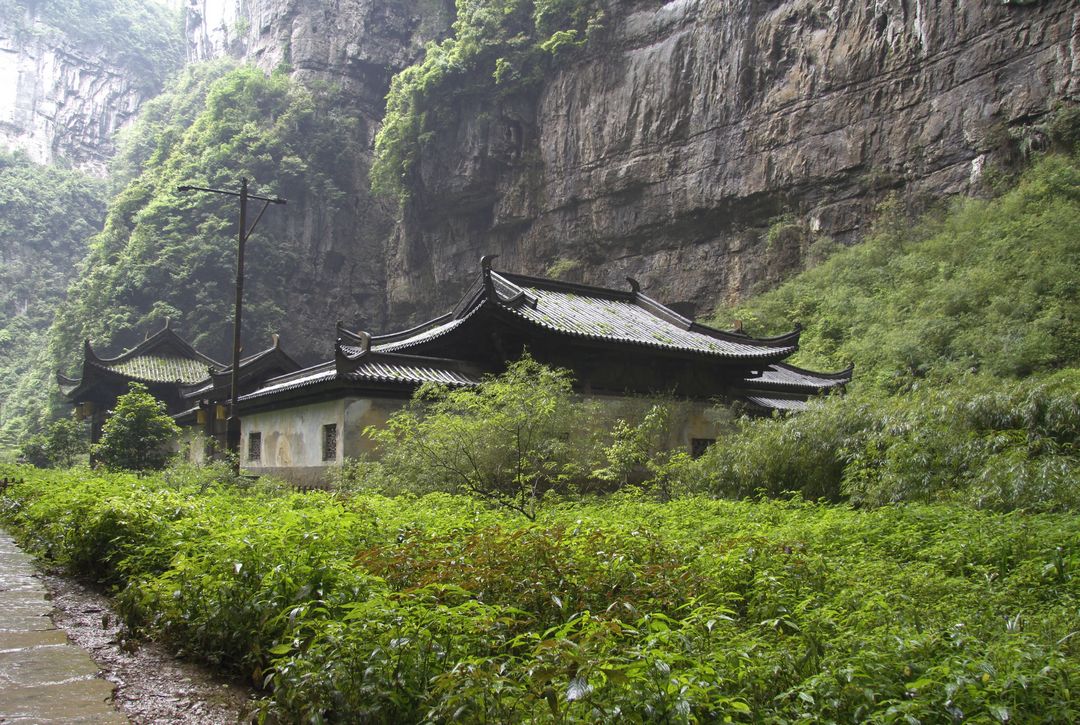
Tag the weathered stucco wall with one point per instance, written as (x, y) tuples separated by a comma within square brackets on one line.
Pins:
[(360, 413), (292, 438), (193, 445)]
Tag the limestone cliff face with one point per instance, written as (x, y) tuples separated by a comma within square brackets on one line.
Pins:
[(61, 99), (704, 145), (355, 46)]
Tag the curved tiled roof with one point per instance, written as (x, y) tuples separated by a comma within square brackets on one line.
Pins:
[(597, 313), (424, 335), (159, 369), (163, 358), (369, 367), (774, 403), (627, 321), (784, 375)]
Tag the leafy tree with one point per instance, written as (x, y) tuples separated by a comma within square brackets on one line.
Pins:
[(508, 440), (57, 447), (138, 434)]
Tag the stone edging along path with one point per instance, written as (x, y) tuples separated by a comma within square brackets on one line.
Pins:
[(43, 677)]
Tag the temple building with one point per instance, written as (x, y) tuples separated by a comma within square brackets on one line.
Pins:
[(618, 344), (193, 386)]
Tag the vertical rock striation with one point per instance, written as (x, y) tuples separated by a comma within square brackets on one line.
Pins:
[(353, 47), (62, 99), (704, 145)]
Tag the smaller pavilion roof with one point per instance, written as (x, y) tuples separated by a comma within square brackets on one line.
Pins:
[(163, 358), (773, 403), (784, 376), (261, 362), (355, 363)]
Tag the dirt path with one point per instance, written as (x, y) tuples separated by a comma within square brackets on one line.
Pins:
[(152, 685)]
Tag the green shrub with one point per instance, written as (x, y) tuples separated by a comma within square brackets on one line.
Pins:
[(506, 441), (138, 435), (62, 442)]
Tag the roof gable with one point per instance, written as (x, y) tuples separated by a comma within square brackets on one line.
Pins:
[(162, 358)]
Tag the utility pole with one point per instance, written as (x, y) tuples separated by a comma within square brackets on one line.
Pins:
[(232, 431)]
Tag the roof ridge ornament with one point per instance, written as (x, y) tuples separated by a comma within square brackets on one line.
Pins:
[(485, 272), (276, 339), (635, 286)]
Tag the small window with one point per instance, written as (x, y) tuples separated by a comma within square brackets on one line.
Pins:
[(699, 445), (329, 442), (254, 446)]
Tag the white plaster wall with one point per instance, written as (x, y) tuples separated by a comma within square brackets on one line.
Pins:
[(292, 437)]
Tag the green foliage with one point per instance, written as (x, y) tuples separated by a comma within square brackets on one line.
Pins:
[(506, 441), (982, 441), (164, 253), (47, 214), (138, 434), (963, 326), (58, 447), (376, 609), (989, 285), (498, 47)]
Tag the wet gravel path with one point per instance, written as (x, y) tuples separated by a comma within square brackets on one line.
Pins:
[(152, 685)]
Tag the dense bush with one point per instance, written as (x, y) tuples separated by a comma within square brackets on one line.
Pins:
[(989, 442), (507, 441), (58, 446), (413, 609)]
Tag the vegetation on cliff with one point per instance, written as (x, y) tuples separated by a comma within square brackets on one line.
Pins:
[(164, 253), (47, 214), (498, 47), (964, 327), (143, 36)]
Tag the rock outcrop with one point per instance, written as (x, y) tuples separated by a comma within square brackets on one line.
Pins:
[(61, 99), (354, 47), (703, 146)]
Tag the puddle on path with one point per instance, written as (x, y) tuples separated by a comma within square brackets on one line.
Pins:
[(152, 685)]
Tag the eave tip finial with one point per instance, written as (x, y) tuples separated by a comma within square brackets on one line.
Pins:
[(486, 260), (635, 286), (276, 338)]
